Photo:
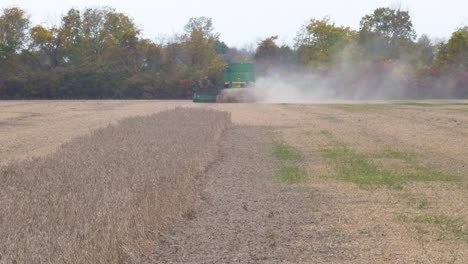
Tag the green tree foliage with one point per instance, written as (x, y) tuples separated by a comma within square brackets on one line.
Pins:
[(386, 31), (268, 54), (267, 49), (48, 41), (235, 55), (203, 25), (105, 28), (221, 47), (394, 24), (121, 30), (320, 42), (13, 31), (455, 51), (71, 35), (199, 50), (426, 50)]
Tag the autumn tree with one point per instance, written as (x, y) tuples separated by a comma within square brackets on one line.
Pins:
[(199, 47), (267, 50), (92, 25), (202, 25), (236, 55), (14, 24), (48, 41), (269, 55), (71, 36), (426, 50), (221, 47), (320, 42), (386, 31), (121, 29), (455, 51), (100, 53)]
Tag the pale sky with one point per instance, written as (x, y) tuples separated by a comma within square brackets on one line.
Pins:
[(245, 22)]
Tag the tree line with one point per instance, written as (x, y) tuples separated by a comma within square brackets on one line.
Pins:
[(383, 57), (99, 53)]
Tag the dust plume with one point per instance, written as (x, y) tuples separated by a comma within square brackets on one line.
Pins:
[(388, 80)]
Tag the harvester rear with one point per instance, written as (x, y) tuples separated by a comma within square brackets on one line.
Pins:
[(238, 81)]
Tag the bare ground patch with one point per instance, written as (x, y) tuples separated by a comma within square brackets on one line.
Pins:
[(248, 216), (103, 198)]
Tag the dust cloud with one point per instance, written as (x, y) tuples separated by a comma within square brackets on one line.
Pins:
[(391, 81)]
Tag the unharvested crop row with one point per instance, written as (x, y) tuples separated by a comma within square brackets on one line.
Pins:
[(102, 198)]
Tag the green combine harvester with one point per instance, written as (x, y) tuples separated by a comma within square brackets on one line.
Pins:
[(238, 78)]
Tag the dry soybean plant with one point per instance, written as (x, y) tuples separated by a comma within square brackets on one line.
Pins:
[(103, 197)]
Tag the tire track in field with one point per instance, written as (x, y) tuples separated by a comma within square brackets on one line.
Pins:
[(247, 216)]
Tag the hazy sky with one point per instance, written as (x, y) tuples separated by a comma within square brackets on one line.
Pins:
[(242, 22)]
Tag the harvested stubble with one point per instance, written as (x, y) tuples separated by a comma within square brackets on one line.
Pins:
[(102, 198)]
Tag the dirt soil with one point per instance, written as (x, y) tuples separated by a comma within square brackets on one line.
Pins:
[(351, 223), (248, 216)]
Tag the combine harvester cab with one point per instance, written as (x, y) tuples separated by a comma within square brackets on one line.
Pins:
[(238, 79)]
